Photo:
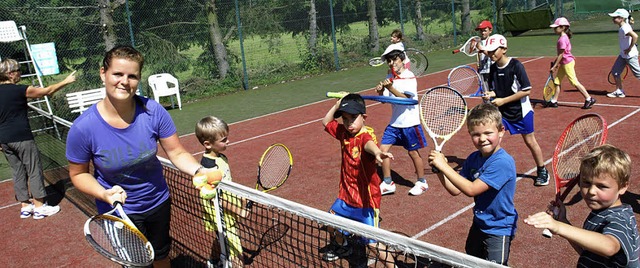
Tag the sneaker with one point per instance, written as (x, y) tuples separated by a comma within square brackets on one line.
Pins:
[(589, 103), (616, 94), (45, 211), (419, 188), (552, 104), (387, 188), (543, 177), (26, 212), (333, 251)]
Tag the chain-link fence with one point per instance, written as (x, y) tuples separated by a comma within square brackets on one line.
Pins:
[(214, 47)]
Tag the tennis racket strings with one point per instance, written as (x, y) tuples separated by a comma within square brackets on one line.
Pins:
[(443, 111), (274, 167), (119, 241), (584, 135), (465, 80)]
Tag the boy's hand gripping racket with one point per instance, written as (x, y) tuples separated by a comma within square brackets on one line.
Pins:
[(443, 111), (118, 239), (465, 80), (273, 169), (549, 89), (583, 134), (469, 48), (383, 99)]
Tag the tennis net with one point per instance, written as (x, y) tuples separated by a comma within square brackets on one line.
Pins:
[(274, 233)]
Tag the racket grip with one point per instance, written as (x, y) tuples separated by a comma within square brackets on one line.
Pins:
[(455, 51), (435, 170), (546, 233), (336, 95)]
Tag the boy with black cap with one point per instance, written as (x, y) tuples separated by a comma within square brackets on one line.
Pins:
[(359, 194)]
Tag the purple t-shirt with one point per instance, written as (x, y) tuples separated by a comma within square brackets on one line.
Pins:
[(125, 157), (564, 43)]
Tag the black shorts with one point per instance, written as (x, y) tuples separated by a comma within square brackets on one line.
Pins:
[(154, 224)]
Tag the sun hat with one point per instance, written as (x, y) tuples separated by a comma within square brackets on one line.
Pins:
[(620, 12), (392, 47), (562, 21)]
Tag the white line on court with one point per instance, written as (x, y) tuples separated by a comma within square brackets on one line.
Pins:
[(10, 205)]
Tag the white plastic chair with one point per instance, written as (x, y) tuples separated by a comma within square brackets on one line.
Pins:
[(165, 84)]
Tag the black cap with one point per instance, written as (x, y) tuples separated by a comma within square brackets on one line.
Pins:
[(351, 104)]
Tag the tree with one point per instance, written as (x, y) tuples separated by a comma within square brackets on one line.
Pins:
[(374, 38), (465, 17), (418, 21), (216, 39), (106, 21)]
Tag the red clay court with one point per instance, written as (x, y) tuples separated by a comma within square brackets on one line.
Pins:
[(434, 217)]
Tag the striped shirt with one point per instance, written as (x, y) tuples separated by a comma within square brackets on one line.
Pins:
[(620, 223)]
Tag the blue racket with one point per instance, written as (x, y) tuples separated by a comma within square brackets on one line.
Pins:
[(383, 99)]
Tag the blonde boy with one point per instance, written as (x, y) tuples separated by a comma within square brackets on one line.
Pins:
[(609, 235)]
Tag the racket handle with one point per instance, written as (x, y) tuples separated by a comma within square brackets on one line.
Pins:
[(435, 170), (455, 51), (336, 95), (546, 233)]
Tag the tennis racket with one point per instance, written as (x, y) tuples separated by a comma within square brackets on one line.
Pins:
[(272, 235), (623, 75), (273, 169), (465, 80), (549, 89), (118, 239), (583, 134), (443, 111), (418, 62), (377, 61), (469, 48), (383, 99)]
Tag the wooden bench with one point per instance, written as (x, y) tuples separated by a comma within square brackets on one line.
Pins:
[(81, 101)]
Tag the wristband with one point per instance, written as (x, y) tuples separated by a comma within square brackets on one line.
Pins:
[(198, 170)]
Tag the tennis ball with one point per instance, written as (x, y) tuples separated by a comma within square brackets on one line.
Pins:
[(199, 180), (207, 191), (214, 177)]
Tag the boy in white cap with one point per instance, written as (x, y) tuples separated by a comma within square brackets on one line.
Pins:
[(509, 90), (627, 40)]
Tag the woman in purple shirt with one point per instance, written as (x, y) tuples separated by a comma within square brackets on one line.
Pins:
[(119, 136)]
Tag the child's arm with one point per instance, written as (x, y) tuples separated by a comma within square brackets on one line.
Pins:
[(372, 148), (634, 41), (556, 62), (502, 101), (388, 84), (329, 116), (452, 181), (580, 239)]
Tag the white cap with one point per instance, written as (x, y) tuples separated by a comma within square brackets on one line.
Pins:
[(392, 47), (494, 42), (620, 12)]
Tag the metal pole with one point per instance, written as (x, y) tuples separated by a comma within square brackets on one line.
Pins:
[(133, 41), (453, 20), (245, 83), (401, 19), (333, 36)]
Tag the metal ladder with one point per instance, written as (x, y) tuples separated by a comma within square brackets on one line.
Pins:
[(11, 33)]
